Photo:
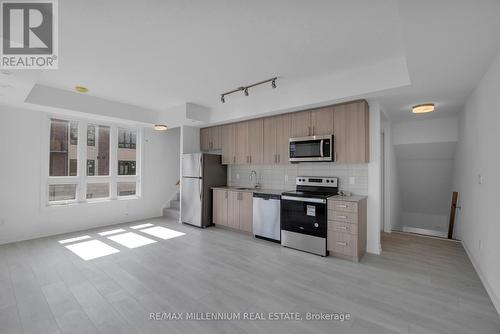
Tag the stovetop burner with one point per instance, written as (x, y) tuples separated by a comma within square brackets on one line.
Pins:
[(315, 194), (314, 187)]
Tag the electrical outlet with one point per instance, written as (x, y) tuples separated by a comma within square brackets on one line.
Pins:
[(480, 179), (352, 180), (2, 222), (286, 178), (237, 176)]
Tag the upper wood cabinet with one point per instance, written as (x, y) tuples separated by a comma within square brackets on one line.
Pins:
[(228, 134), (210, 138), (277, 132), (266, 140), (312, 122), (301, 124), (322, 121), (351, 130), (255, 141), (241, 143)]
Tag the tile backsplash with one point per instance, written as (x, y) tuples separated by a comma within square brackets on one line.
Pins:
[(353, 178)]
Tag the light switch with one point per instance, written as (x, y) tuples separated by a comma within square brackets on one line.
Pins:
[(480, 179)]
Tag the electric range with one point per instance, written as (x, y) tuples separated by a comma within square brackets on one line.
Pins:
[(304, 214)]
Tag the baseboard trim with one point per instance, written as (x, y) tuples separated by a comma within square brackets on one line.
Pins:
[(495, 300)]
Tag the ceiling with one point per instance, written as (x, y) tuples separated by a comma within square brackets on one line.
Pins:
[(157, 55)]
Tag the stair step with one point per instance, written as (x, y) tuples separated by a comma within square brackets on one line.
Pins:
[(175, 204), (171, 213)]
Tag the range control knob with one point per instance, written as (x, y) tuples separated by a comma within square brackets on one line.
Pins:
[(316, 224)]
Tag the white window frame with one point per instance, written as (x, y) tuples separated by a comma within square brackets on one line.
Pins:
[(81, 180)]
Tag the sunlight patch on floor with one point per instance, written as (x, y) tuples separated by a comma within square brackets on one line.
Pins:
[(136, 227), (67, 241), (131, 240), (92, 249), (119, 230), (162, 232)]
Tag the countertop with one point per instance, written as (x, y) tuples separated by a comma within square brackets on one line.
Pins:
[(256, 190), (353, 198)]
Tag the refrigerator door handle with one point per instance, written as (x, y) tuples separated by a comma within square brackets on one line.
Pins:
[(200, 166), (200, 188)]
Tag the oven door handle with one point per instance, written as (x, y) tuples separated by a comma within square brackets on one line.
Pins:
[(303, 199), (321, 153)]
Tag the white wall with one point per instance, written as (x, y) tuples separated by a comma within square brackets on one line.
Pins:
[(22, 216), (478, 157), (426, 131), (374, 182)]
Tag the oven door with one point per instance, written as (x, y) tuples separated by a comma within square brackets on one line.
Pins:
[(314, 148), (304, 215)]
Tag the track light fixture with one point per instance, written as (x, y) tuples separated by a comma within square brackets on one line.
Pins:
[(244, 89)]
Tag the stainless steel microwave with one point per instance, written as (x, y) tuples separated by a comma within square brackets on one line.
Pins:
[(313, 148)]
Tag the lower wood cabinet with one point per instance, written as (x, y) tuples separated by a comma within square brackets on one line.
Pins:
[(347, 228), (233, 209)]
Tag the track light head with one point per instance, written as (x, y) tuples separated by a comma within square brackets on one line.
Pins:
[(222, 99), (273, 83), (245, 91)]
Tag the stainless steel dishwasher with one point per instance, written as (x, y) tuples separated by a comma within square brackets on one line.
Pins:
[(266, 216)]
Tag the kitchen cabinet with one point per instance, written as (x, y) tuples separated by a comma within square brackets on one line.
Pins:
[(255, 141), (220, 201), (347, 227), (228, 140), (351, 130), (301, 124), (233, 209), (245, 218), (241, 146), (266, 140), (210, 139), (276, 135), (322, 121)]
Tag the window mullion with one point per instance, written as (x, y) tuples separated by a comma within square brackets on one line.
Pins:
[(113, 161), (82, 164)]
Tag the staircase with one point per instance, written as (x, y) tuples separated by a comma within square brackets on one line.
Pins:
[(173, 210)]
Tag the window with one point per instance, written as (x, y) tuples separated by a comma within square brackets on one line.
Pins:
[(105, 168), (126, 188), (126, 167), (98, 153), (91, 135), (90, 167), (126, 138), (63, 148), (97, 190)]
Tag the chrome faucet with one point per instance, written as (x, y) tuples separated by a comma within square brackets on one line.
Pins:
[(255, 183)]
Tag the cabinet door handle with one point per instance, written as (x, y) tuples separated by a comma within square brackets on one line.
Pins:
[(341, 243), (234, 159), (250, 159), (225, 193), (279, 158), (313, 131), (309, 130), (275, 158), (335, 156)]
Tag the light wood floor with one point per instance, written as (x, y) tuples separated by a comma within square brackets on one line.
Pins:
[(418, 285)]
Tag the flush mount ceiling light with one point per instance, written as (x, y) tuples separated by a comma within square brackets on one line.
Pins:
[(81, 89), (160, 127), (244, 89), (423, 108)]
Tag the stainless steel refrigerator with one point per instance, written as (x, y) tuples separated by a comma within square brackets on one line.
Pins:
[(200, 172)]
